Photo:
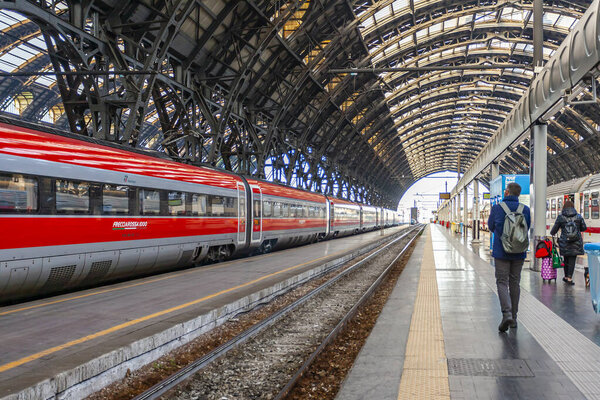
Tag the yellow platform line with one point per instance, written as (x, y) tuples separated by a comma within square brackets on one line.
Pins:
[(425, 372)]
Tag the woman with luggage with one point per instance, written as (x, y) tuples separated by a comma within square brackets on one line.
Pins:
[(570, 242)]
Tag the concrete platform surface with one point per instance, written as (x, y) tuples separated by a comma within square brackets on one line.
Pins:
[(553, 354), (88, 332)]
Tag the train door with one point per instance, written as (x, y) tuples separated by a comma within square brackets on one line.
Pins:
[(331, 217), (586, 205), (327, 211), (361, 218), (257, 206), (241, 213)]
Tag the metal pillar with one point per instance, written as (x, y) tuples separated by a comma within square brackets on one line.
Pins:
[(465, 214), (539, 139), (538, 35), (494, 171), (476, 212)]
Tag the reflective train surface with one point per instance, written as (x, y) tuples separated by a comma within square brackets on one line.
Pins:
[(75, 213)]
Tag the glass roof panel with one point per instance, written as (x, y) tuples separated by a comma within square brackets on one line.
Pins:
[(383, 13), (400, 5), (46, 80), (7, 16), (566, 22)]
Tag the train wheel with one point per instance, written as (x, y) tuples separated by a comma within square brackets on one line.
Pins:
[(267, 247)]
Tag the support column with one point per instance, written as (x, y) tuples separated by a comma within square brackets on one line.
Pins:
[(539, 182), (538, 35), (494, 171), (458, 213), (475, 212), (465, 213)]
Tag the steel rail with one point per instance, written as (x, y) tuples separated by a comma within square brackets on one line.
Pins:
[(170, 382), (340, 326)]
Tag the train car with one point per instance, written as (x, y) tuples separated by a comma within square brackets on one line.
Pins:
[(344, 217), (557, 194), (369, 217), (284, 216), (77, 213), (390, 218)]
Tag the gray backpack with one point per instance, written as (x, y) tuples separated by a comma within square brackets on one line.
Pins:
[(571, 230), (515, 237)]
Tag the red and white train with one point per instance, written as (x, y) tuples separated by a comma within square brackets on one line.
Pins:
[(585, 194), (75, 213)]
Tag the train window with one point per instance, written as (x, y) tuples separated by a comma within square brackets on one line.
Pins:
[(276, 209), (198, 204), (285, 210), (292, 210), (115, 199), (231, 207), (547, 209), (311, 211), (149, 202), (257, 210), (595, 208), (72, 197), (267, 209), (586, 205), (176, 203), (18, 193), (553, 209), (217, 206), (559, 206)]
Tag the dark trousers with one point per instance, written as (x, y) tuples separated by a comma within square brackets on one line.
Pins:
[(569, 265), (508, 278)]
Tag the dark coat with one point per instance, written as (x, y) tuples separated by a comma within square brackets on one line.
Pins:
[(567, 248), (496, 225)]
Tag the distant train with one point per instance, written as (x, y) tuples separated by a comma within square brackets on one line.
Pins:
[(76, 213)]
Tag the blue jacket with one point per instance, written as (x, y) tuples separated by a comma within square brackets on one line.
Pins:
[(496, 225)]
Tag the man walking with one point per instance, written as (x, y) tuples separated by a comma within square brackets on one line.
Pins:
[(508, 263)]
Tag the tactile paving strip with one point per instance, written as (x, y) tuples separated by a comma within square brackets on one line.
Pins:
[(425, 372), (488, 367)]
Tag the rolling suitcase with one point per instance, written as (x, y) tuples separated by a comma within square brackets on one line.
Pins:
[(548, 273)]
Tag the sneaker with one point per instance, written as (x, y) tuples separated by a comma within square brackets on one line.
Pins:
[(587, 281), (513, 323), (503, 327)]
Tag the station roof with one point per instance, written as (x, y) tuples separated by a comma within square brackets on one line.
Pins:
[(273, 60)]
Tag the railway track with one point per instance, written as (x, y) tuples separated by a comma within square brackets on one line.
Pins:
[(266, 360)]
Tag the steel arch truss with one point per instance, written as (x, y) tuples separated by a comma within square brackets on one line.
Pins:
[(244, 85)]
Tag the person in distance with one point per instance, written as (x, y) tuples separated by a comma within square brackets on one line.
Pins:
[(570, 242), (509, 251)]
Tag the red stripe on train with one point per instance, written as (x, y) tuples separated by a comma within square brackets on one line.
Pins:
[(590, 229), (56, 231)]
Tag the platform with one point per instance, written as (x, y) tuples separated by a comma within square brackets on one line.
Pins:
[(438, 338), (49, 346)]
